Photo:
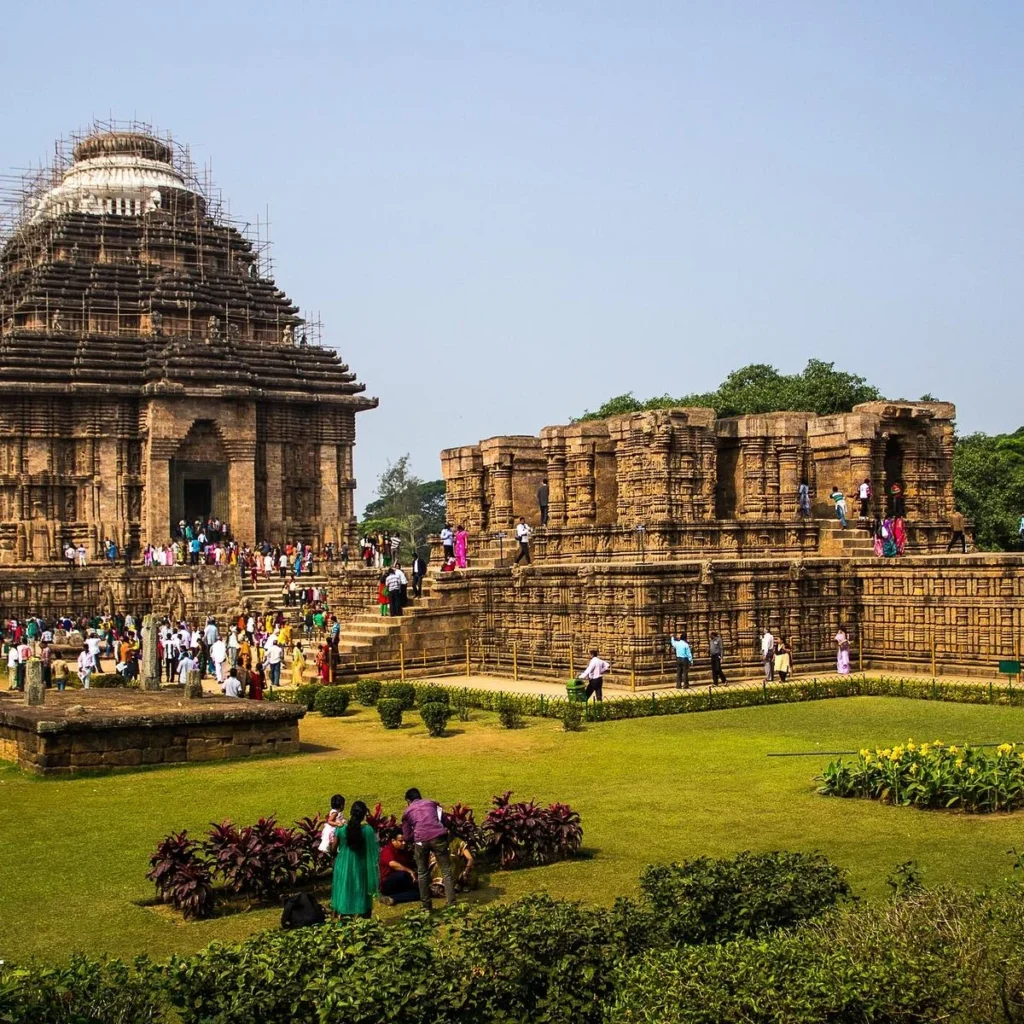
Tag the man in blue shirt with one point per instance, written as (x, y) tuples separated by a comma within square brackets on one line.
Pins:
[(684, 659)]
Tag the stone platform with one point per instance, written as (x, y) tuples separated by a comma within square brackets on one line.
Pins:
[(80, 730)]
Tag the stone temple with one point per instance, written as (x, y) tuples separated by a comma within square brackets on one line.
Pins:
[(150, 372)]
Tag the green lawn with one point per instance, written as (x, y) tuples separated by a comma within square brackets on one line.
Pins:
[(73, 854)]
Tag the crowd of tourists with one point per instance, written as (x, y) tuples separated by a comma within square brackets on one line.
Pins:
[(422, 861)]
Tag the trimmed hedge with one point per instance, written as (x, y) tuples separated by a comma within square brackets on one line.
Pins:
[(368, 692), (390, 711), (110, 681), (306, 695), (404, 693), (435, 718), (331, 701)]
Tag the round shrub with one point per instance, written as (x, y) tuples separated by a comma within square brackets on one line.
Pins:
[(404, 693), (509, 714), (390, 711), (331, 701), (368, 692), (435, 717), (433, 694), (305, 695), (572, 716), (107, 681)]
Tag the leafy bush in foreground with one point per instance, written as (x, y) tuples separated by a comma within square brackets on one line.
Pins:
[(368, 692), (331, 701), (404, 693), (390, 711), (435, 718), (932, 775)]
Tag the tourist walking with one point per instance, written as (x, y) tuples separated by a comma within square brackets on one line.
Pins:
[(783, 659), (356, 876), (86, 664), (803, 499), (768, 655), (842, 652), (898, 495), (447, 542), (715, 647), (864, 494), (461, 547), (840, 502), (542, 501), (523, 533), (393, 582), (273, 657), (594, 674), (424, 830), (684, 660), (956, 523), (419, 570)]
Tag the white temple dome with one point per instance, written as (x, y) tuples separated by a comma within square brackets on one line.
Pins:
[(114, 173)]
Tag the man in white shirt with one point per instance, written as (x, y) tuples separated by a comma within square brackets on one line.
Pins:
[(233, 646), (273, 661), (186, 665), (13, 661), (523, 532), (93, 644), (232, 687), (768, 655), (210, 633), (86, 664), (864, 494), (393, 583), (218, 655), (594, 673), (448, 542)]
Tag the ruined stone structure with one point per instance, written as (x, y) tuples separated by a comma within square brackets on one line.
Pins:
[(149, 372), (694, 486)]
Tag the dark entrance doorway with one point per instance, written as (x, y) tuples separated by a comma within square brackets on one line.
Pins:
[(198, 495), (893, 465)]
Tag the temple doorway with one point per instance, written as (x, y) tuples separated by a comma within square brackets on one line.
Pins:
[(198, 499), (727, 478), (893, 465)]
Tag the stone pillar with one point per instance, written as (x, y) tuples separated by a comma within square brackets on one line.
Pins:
[(584, 509), (35, 692), (194, 685), (149, 676), (789, 479), (329, 505), (275, 496), (241, 453), (158, 500), (501, 509), (556, 489)]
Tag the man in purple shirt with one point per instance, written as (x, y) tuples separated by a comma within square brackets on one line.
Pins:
[(423, 829)]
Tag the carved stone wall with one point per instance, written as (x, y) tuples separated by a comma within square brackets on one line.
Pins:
[(679, 483)]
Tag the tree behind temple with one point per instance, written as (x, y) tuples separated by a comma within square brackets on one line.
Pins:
[(407, 506)]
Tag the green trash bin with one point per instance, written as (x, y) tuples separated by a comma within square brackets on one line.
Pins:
[(576, 690)]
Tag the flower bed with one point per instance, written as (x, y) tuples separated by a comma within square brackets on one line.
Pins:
[(933, 775), (266, 858)]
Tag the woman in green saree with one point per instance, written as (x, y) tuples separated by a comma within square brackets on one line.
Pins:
[(356, 875)]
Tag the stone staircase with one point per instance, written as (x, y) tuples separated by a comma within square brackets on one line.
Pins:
[(853, 542), (365, 634)]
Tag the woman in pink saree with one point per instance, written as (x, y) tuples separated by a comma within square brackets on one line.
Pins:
[(842, 652), (461, 546)]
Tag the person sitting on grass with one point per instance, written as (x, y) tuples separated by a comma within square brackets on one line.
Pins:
[(464, 872), (398, 874)]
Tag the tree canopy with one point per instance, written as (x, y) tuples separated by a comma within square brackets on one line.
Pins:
[(988, 483), (759, 388), (405, 505)]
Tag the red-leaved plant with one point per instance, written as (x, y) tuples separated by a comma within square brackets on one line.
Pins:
[(566, 831), (311, 831), (256, 859), (462, 824), (386, 827), (182, 876), (518, 834)]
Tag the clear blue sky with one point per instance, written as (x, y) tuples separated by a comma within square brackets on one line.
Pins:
[(509, 212)]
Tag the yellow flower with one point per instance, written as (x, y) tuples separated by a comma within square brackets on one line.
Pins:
[(936, 743), (1004, 748), (865, 753), (971, 771), (953, 749), (925, 747), (959, 762)]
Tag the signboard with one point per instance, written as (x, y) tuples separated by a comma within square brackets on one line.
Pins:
[(1009, 668)]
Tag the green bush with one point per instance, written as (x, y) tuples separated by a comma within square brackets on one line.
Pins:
[(509, 714), (433, 694), (390, 711), (107, 681), (460, 704), (435, 718), (305, 695), (82, 990), (331, 701), (404, 693), (368, 692), (572, 716), (707, 900)]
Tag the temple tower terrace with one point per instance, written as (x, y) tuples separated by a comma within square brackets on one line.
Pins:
[(151, 370)]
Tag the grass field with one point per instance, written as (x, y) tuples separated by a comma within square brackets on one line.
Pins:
[(73, 854)]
